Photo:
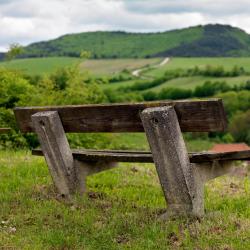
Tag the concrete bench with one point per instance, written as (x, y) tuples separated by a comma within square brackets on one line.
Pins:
[(182, 175)]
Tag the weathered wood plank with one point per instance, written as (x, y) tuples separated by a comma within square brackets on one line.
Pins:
[(146, 157), (195, 116), (4, 130)]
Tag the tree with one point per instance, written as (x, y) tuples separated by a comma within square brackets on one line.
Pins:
[(84, 54), (15, 50)]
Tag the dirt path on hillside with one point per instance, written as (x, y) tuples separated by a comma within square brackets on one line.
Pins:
[(137, 72)]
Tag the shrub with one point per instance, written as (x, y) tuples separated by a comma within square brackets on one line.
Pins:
[(240, 127)]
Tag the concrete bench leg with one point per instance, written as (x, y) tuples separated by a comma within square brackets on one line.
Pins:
[(182, 182), (56, 150), (69, 175), (183, 193)]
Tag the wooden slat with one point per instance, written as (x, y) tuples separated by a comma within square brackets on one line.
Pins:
[(194, 116), (146, 157), (4, 130)]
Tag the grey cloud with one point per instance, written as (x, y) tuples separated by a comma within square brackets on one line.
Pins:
[(208, 7)]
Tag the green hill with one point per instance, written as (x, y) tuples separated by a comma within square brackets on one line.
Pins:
[(209, 40)]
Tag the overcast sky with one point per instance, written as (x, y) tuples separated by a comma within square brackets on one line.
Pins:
[(27, 21)]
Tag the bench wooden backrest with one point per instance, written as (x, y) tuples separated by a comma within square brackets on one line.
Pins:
[(4, 130), (193, 116)]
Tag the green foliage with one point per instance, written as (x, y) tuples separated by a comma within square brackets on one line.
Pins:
[(240, 126), (14, 89), (210, 89), (235, 101), (66, 86), (174, 94), (117, 96), (14, 50), (85, 54), (216, 71)]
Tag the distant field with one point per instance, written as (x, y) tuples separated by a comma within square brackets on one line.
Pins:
[(187, 63), (192, 81), (38, 66), (112, 66)]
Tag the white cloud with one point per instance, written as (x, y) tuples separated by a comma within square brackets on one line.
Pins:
[(27, 21)]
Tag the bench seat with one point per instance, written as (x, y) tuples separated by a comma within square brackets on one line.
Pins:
[(146, 157)]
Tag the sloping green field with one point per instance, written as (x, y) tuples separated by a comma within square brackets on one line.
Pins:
[(46, 65), (114, 66)]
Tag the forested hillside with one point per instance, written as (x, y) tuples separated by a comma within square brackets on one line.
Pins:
[(208, 40)]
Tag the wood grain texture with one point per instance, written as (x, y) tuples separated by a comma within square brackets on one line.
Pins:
[(4, 130), (193, 116), (146, 157)]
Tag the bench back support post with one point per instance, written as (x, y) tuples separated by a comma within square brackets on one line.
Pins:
[(56, 150), (181, 190)]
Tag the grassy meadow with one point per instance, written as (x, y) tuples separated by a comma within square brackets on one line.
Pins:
[(119, 211)]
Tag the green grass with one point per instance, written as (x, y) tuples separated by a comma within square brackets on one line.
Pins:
[(119, 211), (190, 62), (38, 66)]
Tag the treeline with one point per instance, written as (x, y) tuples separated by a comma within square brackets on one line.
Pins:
[(207, 89), (216, 71)]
